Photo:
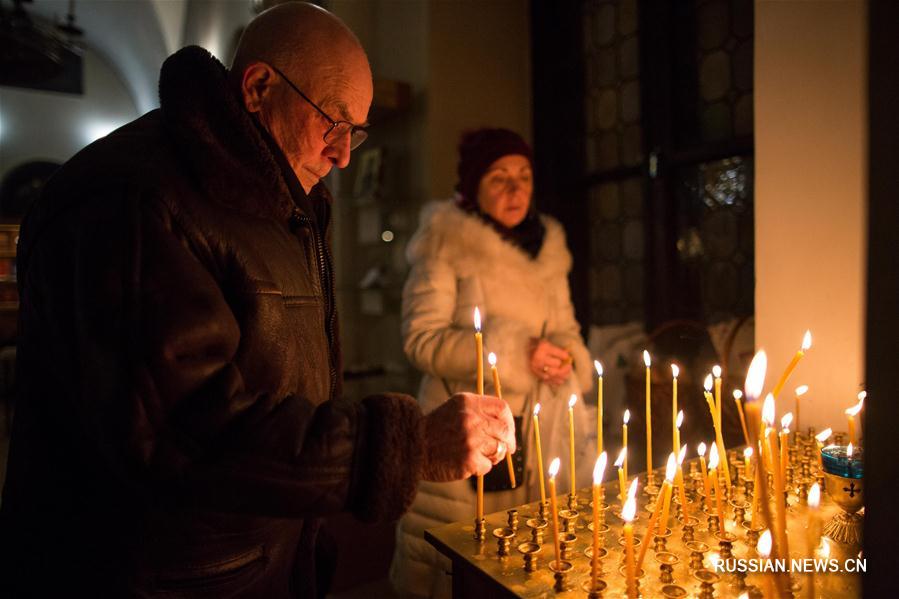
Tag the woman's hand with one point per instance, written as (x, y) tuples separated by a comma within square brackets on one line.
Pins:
[(549, 362)]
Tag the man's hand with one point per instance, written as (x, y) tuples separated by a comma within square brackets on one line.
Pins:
[(465, 436), (549, 362)]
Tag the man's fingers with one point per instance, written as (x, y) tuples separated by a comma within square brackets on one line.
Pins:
[(480, 464)]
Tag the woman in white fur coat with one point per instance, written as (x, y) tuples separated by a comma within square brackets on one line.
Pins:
[(489, 248)]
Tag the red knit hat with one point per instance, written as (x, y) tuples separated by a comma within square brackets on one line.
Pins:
[(477, 151)]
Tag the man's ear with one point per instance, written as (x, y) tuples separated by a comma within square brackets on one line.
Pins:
[(255, 85)]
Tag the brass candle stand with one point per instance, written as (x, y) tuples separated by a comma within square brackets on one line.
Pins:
[(566, 545), (673, 591), (697, 551), (660, 540), (689, 527), (569, 519), (512, 520), (529, 551), (504, 538), (594, 591), (572, 501), (638, 577), (561, 573), (480, 530), (707, 581), (667, 561), (537, 526)]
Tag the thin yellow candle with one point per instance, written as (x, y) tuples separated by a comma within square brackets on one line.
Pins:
[(679, 481), (491, 358), (553, 470), (627, 417), (852, 412), (716, 423), (705, 477), (674, 444), (539, 453), (648, 363), (806, 345), (571, 401), (598, 365), (747, 456), (627, 514), (738, 395), (800, 391), (821, 438), (713, 474), (598, 470), (677, 424), (660, 511), (479, 358), (764, 549), (619, 463), (716, 372), (780, 515), (785, 444), (813, 533)]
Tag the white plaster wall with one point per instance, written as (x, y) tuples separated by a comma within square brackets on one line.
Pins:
[(811, 204)]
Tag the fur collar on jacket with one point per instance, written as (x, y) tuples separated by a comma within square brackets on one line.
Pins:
[(468, 243)]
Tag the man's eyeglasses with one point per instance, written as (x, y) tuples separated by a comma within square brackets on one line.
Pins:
[(338, 129)]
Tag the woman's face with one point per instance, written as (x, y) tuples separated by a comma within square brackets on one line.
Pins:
[(505, 190)]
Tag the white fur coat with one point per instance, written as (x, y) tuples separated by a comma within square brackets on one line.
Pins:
[(460, 262)]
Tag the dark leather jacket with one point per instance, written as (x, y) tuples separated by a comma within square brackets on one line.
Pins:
[(178, 430)]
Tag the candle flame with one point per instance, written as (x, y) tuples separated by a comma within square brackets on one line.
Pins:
[(743, 595), (646, 359), (807, 341), (598, 366), (849, 450), (491, 357), (572, 400), (764, 546), (824, 551), (747, 453), (801, 390), (738, 395), (599, 468), (814, 495), (701, 450), (713, 457), (477, 319), (707, 383), (537, 410), (755, 377), (824, 435), (554, 467), (854, 410), (680, 418), (675, 370), (711, 559), (621, 455), (787, 420), (629, 509), (632, 490), (681, 455), (627, 416), (768, 410), (862, 395), (671, 467), (716, 370)]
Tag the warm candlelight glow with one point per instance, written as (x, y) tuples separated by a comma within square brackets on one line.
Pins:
[(814, 496), (629, 509), (682, 455), (598, 366), (824, 550), (598, 471), (627, 416), (537, 410), (786, 421), (755, 377), (849, 451), (824, 435), (632, 490), (768, 410), (862, 395), (680, 418), (707, 383), (620, 461), (764, 546), (738, 395), (807, 341), (477, 319), (854, 410), (747, 453), (671, 468), (491, 359), (713, 457), (599, 468), (572, 400), (701, 450), (801, 390), (716, 370), (646, 359), (554, 467), (675, 371), (553, 470)]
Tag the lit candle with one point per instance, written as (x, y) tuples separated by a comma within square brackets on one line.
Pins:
[(812, 532), (713, 474), (674, 372), (619, 463), (627, 514), (661, 509), (755, 382), (806, 345), (852, 412), (716, 371), (571, 401), (764, 549), (598, 366), (705, 477), (821, 438), (553, 470), (479, 358), (849, 457), (680, 481), (747, 456), (677, 423), (738, 395), (800, 391), (539, 453), (627, 417), (598, 470), (491, 358), (785, 444), (716, 423), (648, 364), (780, 531)]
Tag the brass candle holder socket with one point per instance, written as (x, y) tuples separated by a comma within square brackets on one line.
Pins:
[(672, 591), (480, 530), (697, 551), (638, 575), (602, 553), (621, 543), (572, 501), (667, 561), (566, 544), (660, 540), (726, 544), (561, 571), (689, 527), (594, 591), (513, 519), (537, 527), (707, 580), (504, 538), (530, 551), (569, 519)]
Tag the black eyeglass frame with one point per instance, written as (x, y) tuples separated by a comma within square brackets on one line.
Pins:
[(358, 133)]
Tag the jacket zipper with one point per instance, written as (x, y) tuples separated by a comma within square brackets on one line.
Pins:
[(327, 284)]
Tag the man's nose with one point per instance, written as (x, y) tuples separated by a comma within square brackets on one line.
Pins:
[(339, 151)]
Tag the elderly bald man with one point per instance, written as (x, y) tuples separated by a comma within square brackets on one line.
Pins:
[(180, 428)]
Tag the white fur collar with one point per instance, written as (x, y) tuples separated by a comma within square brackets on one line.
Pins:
[(468, 243)]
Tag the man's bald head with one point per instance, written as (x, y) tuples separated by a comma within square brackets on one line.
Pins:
[(305, 41)]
